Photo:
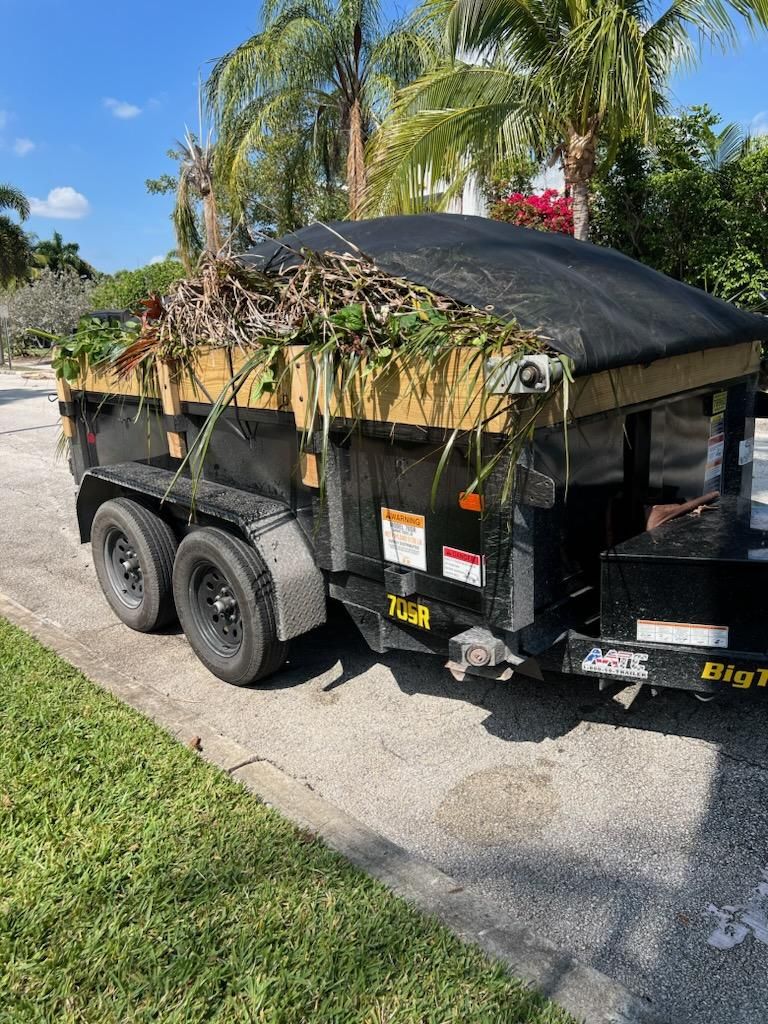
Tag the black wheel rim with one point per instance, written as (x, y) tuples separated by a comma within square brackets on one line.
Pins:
[(123, 568), (215, 610)]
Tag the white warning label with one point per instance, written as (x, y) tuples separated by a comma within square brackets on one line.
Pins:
[(463, 566), (689, 634), (404, 538), (715, 447)]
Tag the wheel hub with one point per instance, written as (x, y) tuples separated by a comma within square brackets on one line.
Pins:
[(215, 608), (225, 604), (123, 568)]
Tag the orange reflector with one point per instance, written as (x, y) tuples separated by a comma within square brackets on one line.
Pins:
[(471, 502)]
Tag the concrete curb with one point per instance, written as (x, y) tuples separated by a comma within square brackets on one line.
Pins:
[(587, 994)]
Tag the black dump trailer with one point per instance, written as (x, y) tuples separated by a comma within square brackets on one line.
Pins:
[(564, 575)]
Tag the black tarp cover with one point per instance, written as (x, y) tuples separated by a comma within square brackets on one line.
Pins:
[(593, 304)]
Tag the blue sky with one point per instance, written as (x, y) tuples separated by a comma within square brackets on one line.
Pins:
[(93, 94)]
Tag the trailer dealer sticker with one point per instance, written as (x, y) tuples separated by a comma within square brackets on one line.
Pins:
[(628, 664), (404, 538), (689, 634), (463, 566)]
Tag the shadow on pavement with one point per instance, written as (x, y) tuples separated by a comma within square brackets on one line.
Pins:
[(10, 395), (526, 710)]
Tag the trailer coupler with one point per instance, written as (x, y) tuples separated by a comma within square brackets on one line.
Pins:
[(477, 652)]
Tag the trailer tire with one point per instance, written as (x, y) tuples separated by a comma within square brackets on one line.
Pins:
[(224, 597), (133, 553)]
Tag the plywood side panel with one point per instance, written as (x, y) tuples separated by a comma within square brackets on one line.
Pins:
[(105, 382), (631, 385), (213, 370)]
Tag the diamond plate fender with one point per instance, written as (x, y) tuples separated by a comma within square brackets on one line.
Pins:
[(270, 526)]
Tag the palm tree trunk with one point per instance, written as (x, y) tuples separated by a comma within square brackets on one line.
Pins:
[(580, 159), (580, 197), (211, 221), (356, 176)]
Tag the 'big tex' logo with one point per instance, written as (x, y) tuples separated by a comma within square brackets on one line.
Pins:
[(741, 678)]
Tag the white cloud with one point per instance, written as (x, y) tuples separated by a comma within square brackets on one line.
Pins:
[(23, 146), (122, 109), (157, 259), (63, 202), (759, 124)]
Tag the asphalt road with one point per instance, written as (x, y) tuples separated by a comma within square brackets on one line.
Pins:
[(612, 832)]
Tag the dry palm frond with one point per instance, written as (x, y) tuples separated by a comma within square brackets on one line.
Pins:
[(344, 299)]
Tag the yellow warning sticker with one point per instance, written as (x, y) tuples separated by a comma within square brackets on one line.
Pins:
[(404, 538)]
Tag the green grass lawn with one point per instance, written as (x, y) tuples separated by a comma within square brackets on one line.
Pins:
[(138, 883)]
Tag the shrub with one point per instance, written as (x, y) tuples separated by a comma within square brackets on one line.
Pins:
[(53, 303), (549, 211), (127, 288)]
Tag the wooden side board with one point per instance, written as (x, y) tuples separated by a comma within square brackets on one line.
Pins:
[(631, 385), (107, 383), (215, 368), (448, 394), (171, 405), (64, 392)]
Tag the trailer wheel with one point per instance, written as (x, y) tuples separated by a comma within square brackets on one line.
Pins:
[(224, 599), (133, 552)]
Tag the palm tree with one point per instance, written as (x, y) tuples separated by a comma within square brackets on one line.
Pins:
[(15, 252), (721, 148), (549, 78), (196, 180), (331, 62), (58, 255)]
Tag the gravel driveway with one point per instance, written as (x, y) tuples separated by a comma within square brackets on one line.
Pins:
[(611, 832)]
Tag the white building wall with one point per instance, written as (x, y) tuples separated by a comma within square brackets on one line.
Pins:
[(471, 201)]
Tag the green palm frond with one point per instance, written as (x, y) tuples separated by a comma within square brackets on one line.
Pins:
[(189, 242), (722, 148), (580, 70), (459, 115), (15, 252), (317, 67), (12, 198)]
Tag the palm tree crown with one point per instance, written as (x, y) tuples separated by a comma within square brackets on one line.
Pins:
[(12, 198), (552, 78), (58, 255), (332, 60), (196, 179), (14, 245)]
